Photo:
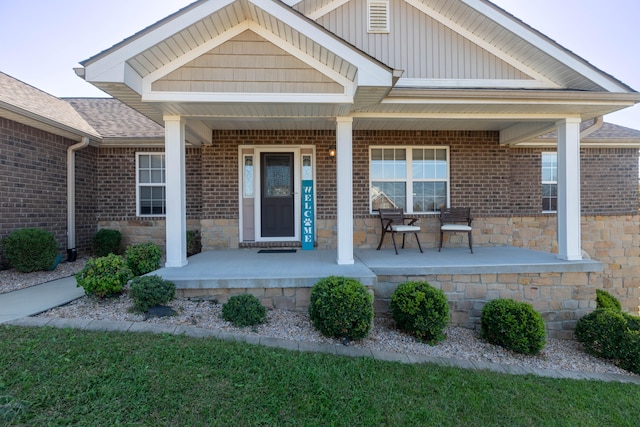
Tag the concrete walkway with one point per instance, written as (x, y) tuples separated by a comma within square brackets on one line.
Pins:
[(15, 307)]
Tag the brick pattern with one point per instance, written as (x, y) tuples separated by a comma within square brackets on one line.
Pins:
[(33, 183), (116, 176)]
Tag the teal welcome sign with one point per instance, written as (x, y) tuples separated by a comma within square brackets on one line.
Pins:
[(308, 221)]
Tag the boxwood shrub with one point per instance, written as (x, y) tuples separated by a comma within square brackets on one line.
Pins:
[(150, 291), (513, 325), (341, 307), (610, 333), (143, 258), (106, 242), (421, 310), (104, 276), (244, 310), (30, 249)]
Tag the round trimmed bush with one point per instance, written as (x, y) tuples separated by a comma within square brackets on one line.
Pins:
[(513, 325), (149, 291), (106, 242), (605, 300), (421, 310), (104, 276), (244, 310), (341, 307), (143, 258), (30, 249)]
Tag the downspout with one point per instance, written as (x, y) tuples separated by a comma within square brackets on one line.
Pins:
[(72, 253), (597, 124)]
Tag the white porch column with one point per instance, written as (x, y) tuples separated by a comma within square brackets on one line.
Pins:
[(176, 199), (569, 218), (344, 188)]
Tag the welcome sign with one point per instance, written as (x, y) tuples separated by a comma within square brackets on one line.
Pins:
[(308, 220)]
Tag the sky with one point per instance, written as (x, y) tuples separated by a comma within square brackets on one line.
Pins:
[(43, 40)]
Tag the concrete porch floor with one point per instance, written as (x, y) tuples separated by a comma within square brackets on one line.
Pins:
[(246, 268)]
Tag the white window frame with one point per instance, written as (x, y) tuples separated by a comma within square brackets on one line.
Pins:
[(544, 182), (380, 6), (140, 184), (409, 175)]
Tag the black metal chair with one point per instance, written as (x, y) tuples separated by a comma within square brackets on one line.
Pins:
[(393, 221), (456, 220)]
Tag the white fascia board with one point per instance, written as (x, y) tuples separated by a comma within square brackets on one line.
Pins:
[(461, 116), (464, 32), (369, 72), (474, 83), (291, 2), (326, 9), (545, 45), (231, 97), (109, 68), (505, 101)]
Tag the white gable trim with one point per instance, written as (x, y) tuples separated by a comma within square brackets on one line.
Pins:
[(550, 48), (149, 95), (473, 83), (370, 73), (464, 32), (109, 68), (318, 13)]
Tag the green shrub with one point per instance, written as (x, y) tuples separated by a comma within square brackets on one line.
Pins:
[(30, 249), (244, 310), (149, 291), (613, 335), (341, 307), (421, 310), (104, 276), (107, 242), (143, 258), (194, 242), (513, 325), (605, 300)]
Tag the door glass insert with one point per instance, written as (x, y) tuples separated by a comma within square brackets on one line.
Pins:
[(278, 176)]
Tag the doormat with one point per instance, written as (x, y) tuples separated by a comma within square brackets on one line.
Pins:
[(277, 251)]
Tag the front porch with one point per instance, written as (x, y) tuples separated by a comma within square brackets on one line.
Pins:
[(561, 290)]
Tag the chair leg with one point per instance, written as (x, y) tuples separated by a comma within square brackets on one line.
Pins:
[(381, 239), (403, 234), (470, 242), (393, 237), (441, 233), (418, 240)]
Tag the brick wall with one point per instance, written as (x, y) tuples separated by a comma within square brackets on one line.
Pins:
[(33, 183)]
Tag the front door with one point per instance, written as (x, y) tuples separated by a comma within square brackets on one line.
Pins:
[(277, 195)]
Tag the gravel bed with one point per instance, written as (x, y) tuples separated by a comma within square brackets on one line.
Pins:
[(460, 343)]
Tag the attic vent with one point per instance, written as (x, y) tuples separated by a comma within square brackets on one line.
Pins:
[(378, 16)]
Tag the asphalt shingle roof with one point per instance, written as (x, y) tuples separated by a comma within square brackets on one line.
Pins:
[(35, 103), (114, 119)]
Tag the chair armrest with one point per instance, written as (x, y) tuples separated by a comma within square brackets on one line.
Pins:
[(411, 220)]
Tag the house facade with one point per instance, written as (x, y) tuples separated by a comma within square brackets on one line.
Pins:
[(288, 123)]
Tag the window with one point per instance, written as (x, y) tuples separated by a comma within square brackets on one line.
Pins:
[(549, 182), (150, 182), (415, 179), (378, 16)]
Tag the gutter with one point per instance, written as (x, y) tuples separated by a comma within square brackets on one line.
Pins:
[(72, 252), (597, 124)]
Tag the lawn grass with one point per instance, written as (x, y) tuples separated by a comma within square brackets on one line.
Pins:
[(69, 377)]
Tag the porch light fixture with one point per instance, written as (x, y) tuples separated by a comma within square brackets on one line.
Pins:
[(332, 153)]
